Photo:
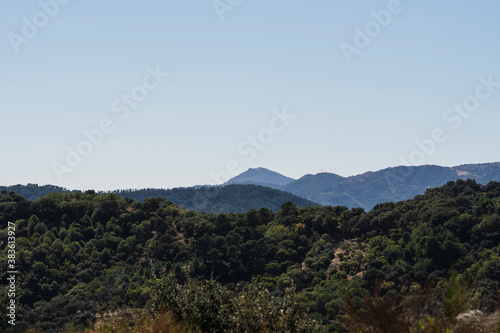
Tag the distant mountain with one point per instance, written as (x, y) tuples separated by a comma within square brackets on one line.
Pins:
[(327, 188), (483, 173), (266, 188), (391, 184), (209, 199), (262, 177)]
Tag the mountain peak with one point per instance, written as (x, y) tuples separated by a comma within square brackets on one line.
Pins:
[(261, 176)]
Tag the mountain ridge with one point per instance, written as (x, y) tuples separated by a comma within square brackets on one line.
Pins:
[(364, 190), (392, 184)]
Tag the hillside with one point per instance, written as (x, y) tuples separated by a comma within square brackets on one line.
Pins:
[(81, 257), (481, 172), (209, 199), (371, 188), (226, 199), (34, 191)]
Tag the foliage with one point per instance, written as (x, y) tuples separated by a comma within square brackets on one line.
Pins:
[(214, 308), (80, 255), (140, 323)]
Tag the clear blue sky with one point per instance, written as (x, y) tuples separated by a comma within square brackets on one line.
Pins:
[(227, 76)]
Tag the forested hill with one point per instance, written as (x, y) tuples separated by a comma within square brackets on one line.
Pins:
[(81, 256), (32, 192), (217, 199), (209, 199)]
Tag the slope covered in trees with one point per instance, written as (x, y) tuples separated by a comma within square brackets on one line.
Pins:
[(80, 256), (208, 199), (31, 192), (217, 199)]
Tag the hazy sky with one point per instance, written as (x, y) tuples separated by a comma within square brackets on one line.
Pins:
[(294, 86)]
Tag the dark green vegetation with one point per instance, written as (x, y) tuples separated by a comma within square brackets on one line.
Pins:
[(80, 255), (31, 192), (209, 199), (226, 199)]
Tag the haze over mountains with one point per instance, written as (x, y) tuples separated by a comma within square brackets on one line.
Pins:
[(371, 188), (260, 187)]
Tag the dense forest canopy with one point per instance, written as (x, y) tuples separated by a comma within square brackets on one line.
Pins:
[(81, 256)]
